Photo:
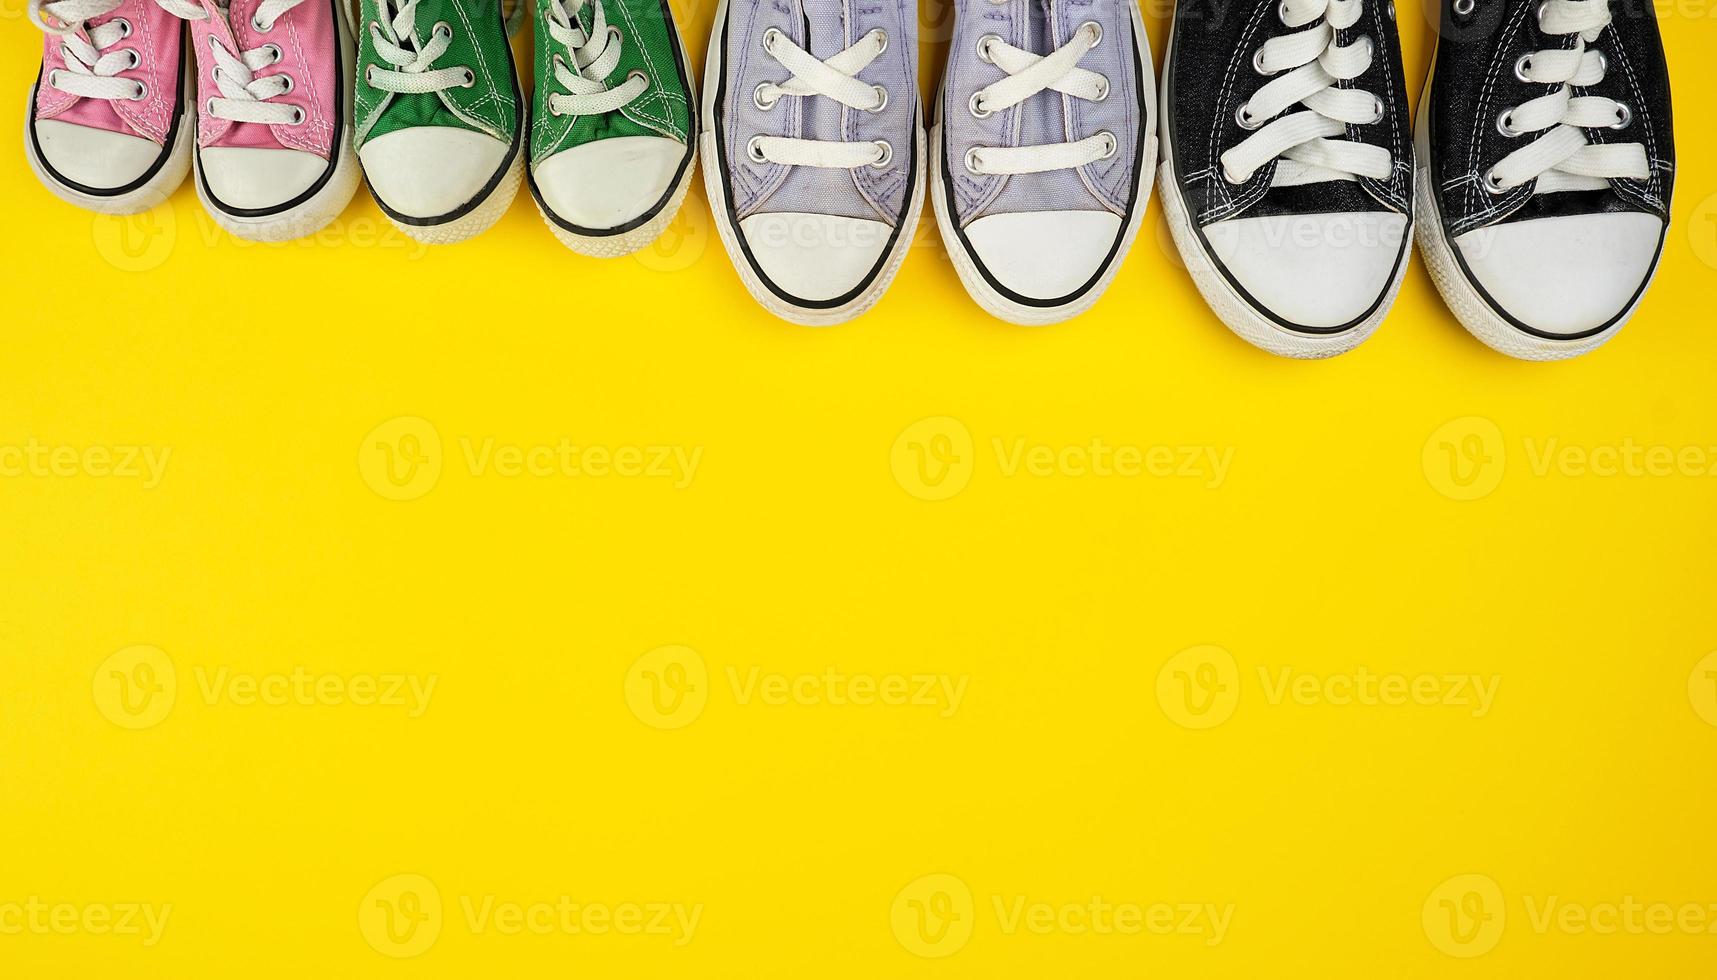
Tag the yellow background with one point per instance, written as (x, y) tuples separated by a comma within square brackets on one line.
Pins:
[(1120, 639)]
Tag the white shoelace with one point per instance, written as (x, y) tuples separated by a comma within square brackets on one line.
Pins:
[(1562, 159), (89, 66), (1308, 142), (1029, 74), (413, 70), (593, 58), (244, 97), (835, 79)]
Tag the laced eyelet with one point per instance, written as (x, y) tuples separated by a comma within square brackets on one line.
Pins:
[(443, 28), (972, 162), (882, 100), (1103, 89), (1505, 124), (754, 150), (1370, 45), (290, 84), (758, 100), (638, 73), (1464, 8), (1245, 119), (470, 79), (1282, 12), (1096, 29), (1603, 63), (297, 116), (209, 107), (1377, 110), (887, 154), (1523, 65), (141, 93), (257, 25), (976, 105), (124, 27), (614, 35), (136, 59), (1258, 62), (881, 40), (54, 78), (984, 47), (1538, 14), (1492, 184), (274, 53), (1110, 144), (1624, 116), (370, 75), (770, 37)]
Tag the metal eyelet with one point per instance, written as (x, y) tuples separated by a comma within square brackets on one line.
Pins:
[(1111, 144), (54, 78), (1096, 28), (1244, 119), (1282, 12), (972, 162), (1464, 8), (1538, 14), (1389, 10), (984, 47), (1603, 63), (1377, 110), (470, 79), (259, 26), (638, 73), (297, 116), (882, 96), (887, 154), (370, 75), (754, 150), (209, 107), (1492, 185), (442, 27), (141, 93), (614, 35), (770, 37), (1258, 62), (1103, 90), (1522, 65), (124, 27), (1370, 45), (1505, 124), (290, 84), (757, 97), (1624, 116), (274, 53), (978, 111), (882, 39), (136, 59)]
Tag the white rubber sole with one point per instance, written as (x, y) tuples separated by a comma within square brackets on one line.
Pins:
[(151, 193), (475, 221), (627, 242), (988, 297), (1234, 310), (714, 186), (1463, 298), (327, 203)]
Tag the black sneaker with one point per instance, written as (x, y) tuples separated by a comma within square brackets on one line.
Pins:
[(1548, 158), (1287, 170)]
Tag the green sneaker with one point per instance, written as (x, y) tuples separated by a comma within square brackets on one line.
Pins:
[(612, 127), (438, 117)]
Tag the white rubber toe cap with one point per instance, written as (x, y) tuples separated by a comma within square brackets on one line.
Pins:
[(255, 179), (431, 171), (608, 183), (815, 257), (1564, 275), (1312, 270), (1044, 255), (96, 158)]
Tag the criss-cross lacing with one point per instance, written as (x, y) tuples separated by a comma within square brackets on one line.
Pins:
[(90, 65), (396, 42), (244, 96), (594, 55), (835, 78), (1029, 74), (1563, 159), (1309, 69)]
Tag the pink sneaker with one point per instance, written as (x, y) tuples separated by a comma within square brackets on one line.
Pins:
[(108, 127), (274, 113)]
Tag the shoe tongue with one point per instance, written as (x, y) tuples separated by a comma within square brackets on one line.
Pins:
[(1323, 197)]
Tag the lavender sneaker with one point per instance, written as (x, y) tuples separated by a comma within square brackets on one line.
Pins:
[(1043, 151), (814, 150)]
